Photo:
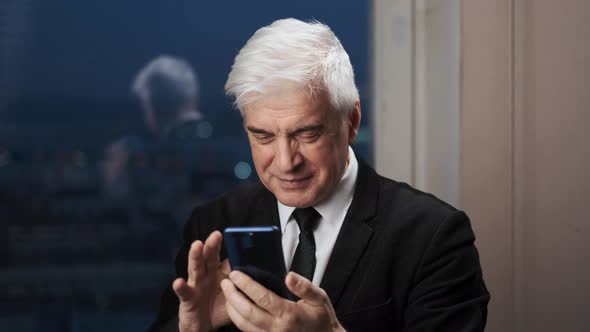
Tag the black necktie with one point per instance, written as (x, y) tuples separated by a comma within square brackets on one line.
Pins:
[(304, 259)]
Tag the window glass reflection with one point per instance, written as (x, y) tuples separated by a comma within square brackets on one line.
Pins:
[(113, 126)]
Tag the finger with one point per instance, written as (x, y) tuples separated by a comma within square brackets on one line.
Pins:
[(211, 251), (195, 262), (305, 290), (239, 321), (262, 296), (225, 267), (182, 290), (243, 306), (224, 270)]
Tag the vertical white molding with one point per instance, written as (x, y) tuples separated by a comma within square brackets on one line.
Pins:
[(437, 122), (487, 146), (416, 70), (393, 88)]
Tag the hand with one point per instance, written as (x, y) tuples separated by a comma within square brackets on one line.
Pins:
[(263, 310), (202, 304)]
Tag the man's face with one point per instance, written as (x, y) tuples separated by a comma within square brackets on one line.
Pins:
[(299, 145)]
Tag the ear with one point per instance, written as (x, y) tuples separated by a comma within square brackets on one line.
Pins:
[(354, 122)]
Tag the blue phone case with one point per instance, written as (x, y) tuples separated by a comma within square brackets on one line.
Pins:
[(258, 252)]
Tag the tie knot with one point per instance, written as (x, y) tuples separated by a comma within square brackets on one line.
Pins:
[(306, 218)]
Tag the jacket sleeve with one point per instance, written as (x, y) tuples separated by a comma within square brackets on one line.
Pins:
[(448, 291)]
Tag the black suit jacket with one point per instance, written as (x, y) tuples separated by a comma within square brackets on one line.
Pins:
[(403, 261)]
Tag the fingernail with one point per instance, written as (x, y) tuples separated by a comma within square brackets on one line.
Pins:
[(223, 285), (234, 276)]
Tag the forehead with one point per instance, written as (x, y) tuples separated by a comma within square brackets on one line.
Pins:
[(294, 105)]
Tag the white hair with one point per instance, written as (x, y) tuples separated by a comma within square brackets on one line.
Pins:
[(173, 74), (307, 54)]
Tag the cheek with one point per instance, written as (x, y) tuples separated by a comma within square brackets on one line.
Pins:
[(332, 159), (320, 159), (262, 156)]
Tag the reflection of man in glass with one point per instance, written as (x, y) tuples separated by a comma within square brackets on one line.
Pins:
[(148, 175), (168, 91)]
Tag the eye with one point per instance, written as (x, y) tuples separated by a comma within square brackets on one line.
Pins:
[(263, 138), (308, 136)]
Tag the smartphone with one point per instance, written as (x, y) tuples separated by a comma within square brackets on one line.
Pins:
[(258, 252)]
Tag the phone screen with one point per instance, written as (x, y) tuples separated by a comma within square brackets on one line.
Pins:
[(258, 252)]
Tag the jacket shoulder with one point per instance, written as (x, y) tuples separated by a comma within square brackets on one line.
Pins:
[(413, 198), (231, 207), (403, 206), (236, 198)]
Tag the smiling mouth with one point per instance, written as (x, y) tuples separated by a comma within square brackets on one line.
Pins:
[(295, 183), (295, 180)]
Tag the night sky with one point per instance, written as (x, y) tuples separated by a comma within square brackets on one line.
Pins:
[(66, 66)]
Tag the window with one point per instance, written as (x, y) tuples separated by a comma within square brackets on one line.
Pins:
[(92, 203)]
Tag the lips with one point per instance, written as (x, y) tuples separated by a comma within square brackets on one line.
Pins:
[(295, 183)]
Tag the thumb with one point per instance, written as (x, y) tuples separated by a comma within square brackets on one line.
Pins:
[(305, 290)]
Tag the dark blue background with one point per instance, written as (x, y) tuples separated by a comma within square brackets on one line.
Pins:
[(66, 67)]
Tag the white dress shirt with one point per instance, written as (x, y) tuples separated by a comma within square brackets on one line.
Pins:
[(332, 211)]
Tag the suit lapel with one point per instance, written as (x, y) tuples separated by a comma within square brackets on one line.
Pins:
[(354, 235)]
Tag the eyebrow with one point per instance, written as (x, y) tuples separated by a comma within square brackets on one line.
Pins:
[(313, 127), (255, 130)]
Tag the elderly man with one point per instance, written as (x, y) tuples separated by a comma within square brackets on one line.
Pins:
[(387, 256), (168, 90)]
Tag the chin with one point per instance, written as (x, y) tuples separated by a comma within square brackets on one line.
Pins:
[(295, 199)]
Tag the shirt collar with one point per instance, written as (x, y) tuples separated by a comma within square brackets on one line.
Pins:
[(338, 201)]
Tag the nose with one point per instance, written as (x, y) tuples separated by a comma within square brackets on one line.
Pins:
[(287, 156)]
